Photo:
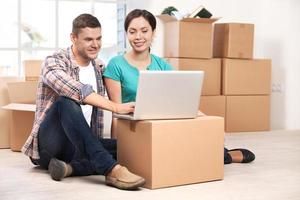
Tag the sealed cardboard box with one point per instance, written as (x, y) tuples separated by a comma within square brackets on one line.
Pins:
[(246, 77), (32, 69), (173, 152), (4, 114), (188, 37), (233, 40), (211, 68), (213, 105), (247, 113), (22, 97)]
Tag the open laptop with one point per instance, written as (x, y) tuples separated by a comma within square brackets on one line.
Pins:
[(167, 95)]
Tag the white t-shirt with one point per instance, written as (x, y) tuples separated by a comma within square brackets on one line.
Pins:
[(87, 76)]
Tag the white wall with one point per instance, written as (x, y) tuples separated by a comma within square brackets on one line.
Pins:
[(277, 32), (293, 68)]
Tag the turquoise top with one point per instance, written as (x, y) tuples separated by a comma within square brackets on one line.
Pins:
[(120, 70)]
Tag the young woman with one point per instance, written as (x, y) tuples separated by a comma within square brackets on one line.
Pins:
[(122, 72)]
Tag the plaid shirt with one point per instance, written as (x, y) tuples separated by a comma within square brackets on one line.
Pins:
[(60, 77)]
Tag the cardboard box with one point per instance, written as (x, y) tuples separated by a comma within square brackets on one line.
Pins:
[(188, 38), (233, 40), (22, 92), (211, 68), (22, 116), (32, 69), (213, 105), (22, 96), (246, 77), (173, 152), (247, 113), (4, 114)]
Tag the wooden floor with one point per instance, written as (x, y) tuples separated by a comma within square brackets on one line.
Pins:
[(275, 174)]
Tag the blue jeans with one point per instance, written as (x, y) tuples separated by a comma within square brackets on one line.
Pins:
[(65, 135)]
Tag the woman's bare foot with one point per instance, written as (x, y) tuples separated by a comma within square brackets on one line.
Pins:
[(241, 155), (237, 156)]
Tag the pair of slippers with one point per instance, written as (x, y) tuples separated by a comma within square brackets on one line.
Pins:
[(248, 156)]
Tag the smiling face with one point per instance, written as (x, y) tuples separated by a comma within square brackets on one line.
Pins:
[(140, 34), (86, 44)]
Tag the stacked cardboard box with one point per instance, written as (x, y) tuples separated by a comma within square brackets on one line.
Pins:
[(245, 81), (22, 95), (196, 53), (188, 37), (32, 69), (234, 82), (189, 46)]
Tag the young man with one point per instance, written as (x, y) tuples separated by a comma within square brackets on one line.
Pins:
[(66, 137)]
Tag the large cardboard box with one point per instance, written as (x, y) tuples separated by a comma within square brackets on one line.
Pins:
[(211, 68), (32, 69), (173, 152), (247, 113), (188, 38), (4, 114), (22, 97), (22, 116), (246, 77), (213, 105), (233, 40)]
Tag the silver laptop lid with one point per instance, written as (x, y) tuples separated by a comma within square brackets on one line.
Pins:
[(168, 94)]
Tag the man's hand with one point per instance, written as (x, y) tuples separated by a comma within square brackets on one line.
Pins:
[(99, 101), (125, 108)]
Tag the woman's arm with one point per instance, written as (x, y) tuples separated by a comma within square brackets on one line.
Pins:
[(113, 90), (114, 94)]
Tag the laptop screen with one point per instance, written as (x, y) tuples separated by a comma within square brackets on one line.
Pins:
[(168, 94)]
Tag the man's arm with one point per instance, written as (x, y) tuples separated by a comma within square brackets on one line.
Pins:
[(97, 100), (55, 76)]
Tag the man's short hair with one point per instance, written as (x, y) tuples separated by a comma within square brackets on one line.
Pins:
[(83, 21)]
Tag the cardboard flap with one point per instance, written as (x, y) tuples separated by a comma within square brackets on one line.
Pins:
[(4, 98), (200, 20), (200, 113), (22, 92), (168, 18), (20, 107)]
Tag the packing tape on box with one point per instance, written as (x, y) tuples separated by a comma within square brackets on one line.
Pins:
[(31, 78), (132, 126)]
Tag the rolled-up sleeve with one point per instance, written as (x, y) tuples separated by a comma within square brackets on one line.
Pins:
[(55, 76)]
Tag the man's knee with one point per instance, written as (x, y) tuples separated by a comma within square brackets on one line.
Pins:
[(68, 104)]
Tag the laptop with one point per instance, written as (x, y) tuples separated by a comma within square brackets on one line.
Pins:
[(167, 95)]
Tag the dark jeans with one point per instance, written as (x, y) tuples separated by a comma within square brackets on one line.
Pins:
[(65, 135)]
